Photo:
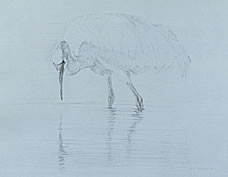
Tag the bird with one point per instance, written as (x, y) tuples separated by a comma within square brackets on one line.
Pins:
[(118, 45)]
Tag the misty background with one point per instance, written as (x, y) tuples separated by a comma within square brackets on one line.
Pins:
[(28, 30), (189, 116)]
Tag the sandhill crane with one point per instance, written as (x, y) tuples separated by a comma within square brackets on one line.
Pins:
[(118, 45)]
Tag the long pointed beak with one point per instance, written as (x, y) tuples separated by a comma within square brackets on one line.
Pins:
[(61, 72)]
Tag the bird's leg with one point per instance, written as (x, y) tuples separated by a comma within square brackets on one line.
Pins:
[(125, 78), (139, 99), (111, 96)]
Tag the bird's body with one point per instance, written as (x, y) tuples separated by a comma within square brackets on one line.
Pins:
[(127, 42), (121, 45)]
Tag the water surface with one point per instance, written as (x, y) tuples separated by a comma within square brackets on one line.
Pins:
[(49, 138)]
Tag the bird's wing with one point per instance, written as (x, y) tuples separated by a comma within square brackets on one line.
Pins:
[(128, 41)]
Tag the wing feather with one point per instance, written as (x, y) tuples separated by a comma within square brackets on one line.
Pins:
[(129, 42)]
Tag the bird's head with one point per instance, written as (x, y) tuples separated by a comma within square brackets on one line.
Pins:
[(64, 61)]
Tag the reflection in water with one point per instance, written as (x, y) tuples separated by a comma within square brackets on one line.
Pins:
[(62, 153), (111, 125), (129, 140), (136, 117), (164, 147)]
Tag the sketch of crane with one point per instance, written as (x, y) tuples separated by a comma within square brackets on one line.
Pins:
[(118, 45)]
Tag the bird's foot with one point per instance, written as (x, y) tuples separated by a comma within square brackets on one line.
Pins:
[(139, 104)]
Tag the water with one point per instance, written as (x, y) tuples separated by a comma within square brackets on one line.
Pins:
[(87, 139)]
